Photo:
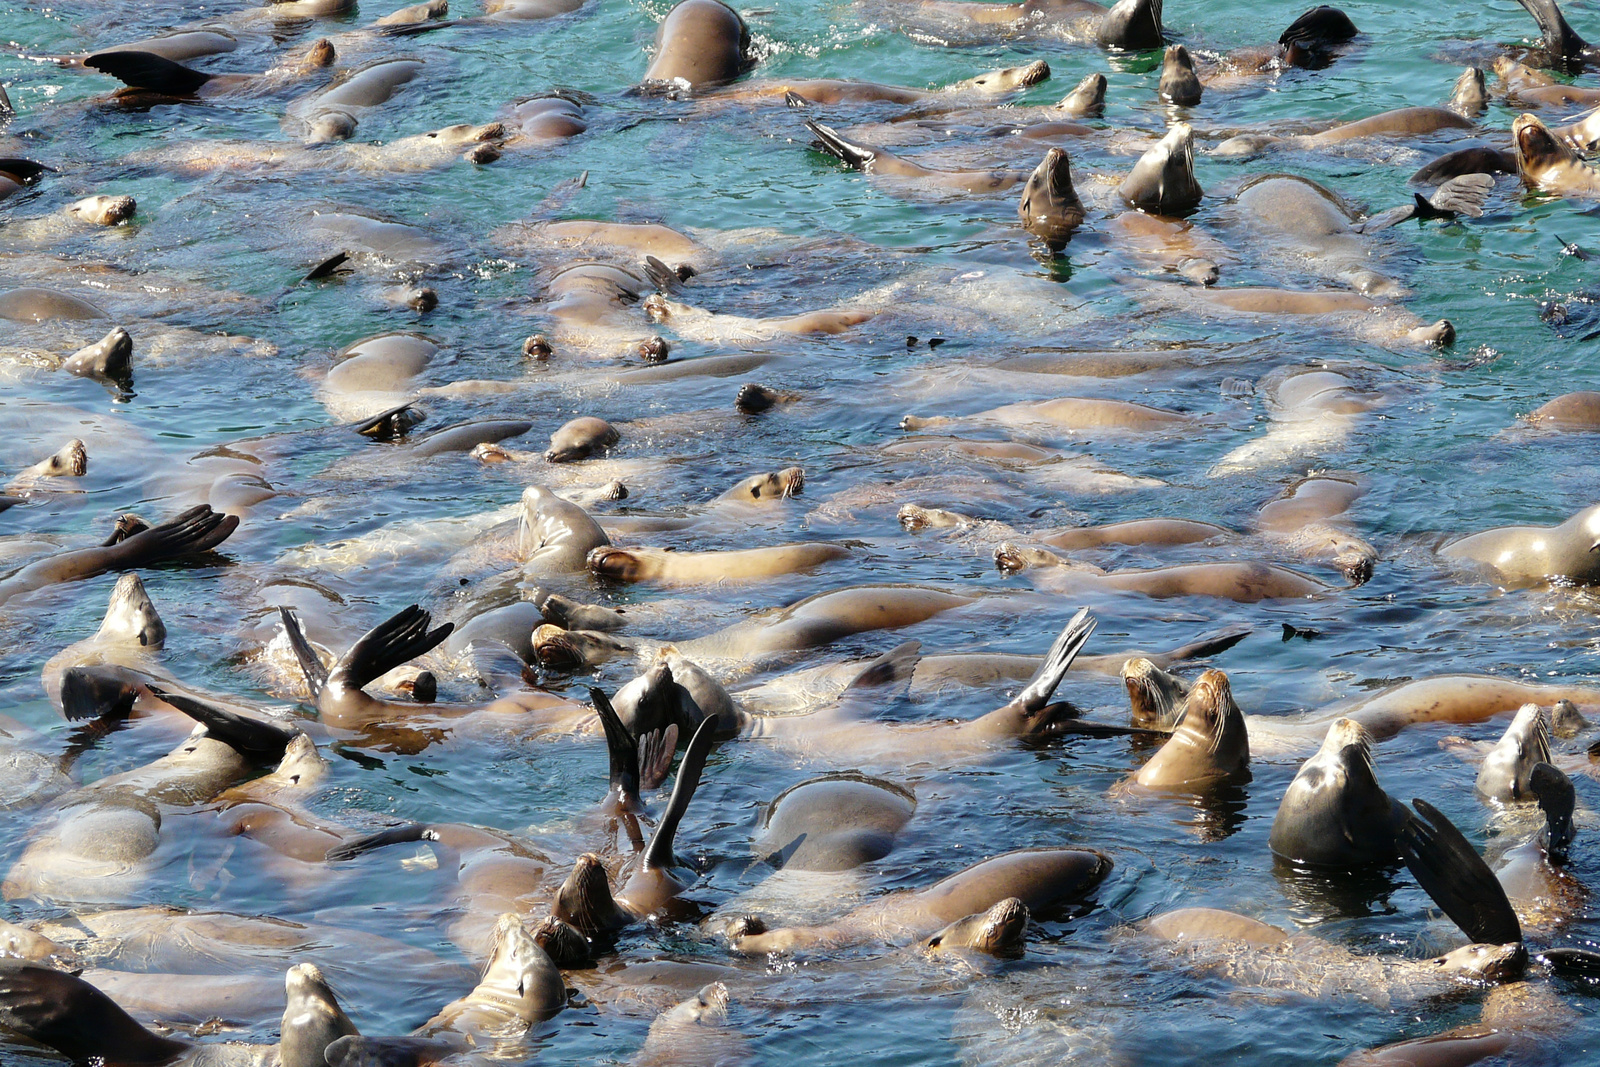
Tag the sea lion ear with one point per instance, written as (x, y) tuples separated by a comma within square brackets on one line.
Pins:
[(1450, 870)]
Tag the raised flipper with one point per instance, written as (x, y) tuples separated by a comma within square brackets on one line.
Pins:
[(310, 664), (1208, 646), (1450, 870), (659, 852), (394, 642), (106, 693), (396, 835), (1557, 799), (1559, 38), (624, 751), (1057, 661), (895, 665), (1572, 962), (24, 171), (828, 140), (260, 740), (1462, 195), (145, 70), (197, 530), (329, 267), (1569, 248)]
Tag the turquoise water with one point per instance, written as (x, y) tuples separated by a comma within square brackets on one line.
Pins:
[(789, 230)]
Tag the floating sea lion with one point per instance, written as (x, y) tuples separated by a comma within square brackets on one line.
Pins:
[(312, 1018), (1068, 412), (1163, 181), (1300, 520), (1131, 25), (838, 91), (1519, 556), (1000, 931), (332, 114), (1569, 411), (834, 823), (1506, 768), (1401, 122), (695, 568), (880, 161), (1050, 208), (702, 43), (33, 304), (1209, 744), (1246, 583), (580, 438), (1179, 83), (1157, 698), (1546, 163), (694, 1032), (1040, 879), (1335, 814), (197, 530), (151, 77)]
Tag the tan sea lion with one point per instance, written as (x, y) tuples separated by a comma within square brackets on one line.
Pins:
[(1300, 520), (834, 823), (312, 1018), (1068, 412), (1569, 411), (1209, 744), (1157, 698), (1131, 25), (152, 77), (702, 43), (332, 113), (1504, 774), (1519, 556), (1134, 532), (1000, 931), (696, 568), (874, 160), (1040, 879), (1335, 814), (1548, 164), (33, 304), (1246, 583), (840, 91), (580, 438), (694, 1034), (108, 360)]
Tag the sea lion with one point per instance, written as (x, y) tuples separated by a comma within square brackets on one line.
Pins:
[(103, 210), (1040, 879), (693, 1032), (1520, 556), (555, 536), (150, 77), (1209, 744), (197, 530), (1157, 698), (697, 568), (1518, 1023), (834, 823), (1548, 164), (1050, 208), (1067, 412), (1563, 47), (1134, 532), (1000, 931), (1129, 25), (838, 91), (1179, 83), (129, 633), (108, 360), (581, 438), (1163, 181), (1335, 814), (338, 691), (18, 174), (1301, 520), (1569, 411), (874, 160), (33, 304), (1245, 583), (519, 987), (312, 1018), (1504, 775), (701, 43), (332, 114)]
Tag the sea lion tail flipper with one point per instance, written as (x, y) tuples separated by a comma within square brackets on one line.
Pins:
[(392, 424), (1207, 646), (895, 665), (1557, 799), (622, 747), (397, 640), (1057, 661), (665, 278), (1450, 871), (1572, 962), (1559, 37), (398, 835), (654, 754), (659, 852), (829, 141), (197, 530), (412, 29), (256, 738), (1464, 194), (145, 70), (310, 664), (6, 110), (71, 1016)]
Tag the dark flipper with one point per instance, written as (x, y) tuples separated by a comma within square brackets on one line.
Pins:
[(398, 835), (828, 140), (73, 1017), (1557, 799), (655, 752), (624, 751), (1570, 249), (1463, 195), (895, 665), (144, 70), (1209, 646), (25, 171), (1086, 728), (659, 852), (1057, 661), (310, 665), (1466, 161), (260, 740), (329, 267), (1559, 38), (1318, 29), (1450, 870), (392, 424), (412, 29), (1572, 962), (97, 693), (397, 640), (197, 530)]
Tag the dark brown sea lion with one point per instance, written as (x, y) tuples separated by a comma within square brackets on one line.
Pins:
[(1335, 814), (1050, 208)]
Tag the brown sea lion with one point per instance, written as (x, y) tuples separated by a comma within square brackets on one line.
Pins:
[(834, 823), (1519, 556), (1162, 182), (1504, 774), (1000, 931), (1569, 411), (1131, 25), (1548, 164), (1209, 744), (695, 568), (580, 438), (1050, 208), (702, 43), (1179, 83), (1335, 814)]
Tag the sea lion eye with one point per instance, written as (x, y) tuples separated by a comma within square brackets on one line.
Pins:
[(935, 940)]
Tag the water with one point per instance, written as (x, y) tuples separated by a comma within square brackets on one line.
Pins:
[(790, 231)]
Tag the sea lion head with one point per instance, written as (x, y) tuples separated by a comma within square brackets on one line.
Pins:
[(1087, 99), (131, 615), (1488, 964), (1008, 79), (302, 766), (1163, 181), (330, 126), (519, 976), (1179, 83), (1505, 770), (1209, 745), (562, 942), (1050, 208), (312, 1018), (584, 900), (1335, 814), (109, 359), (464, 134), (572, 649), (104, 210), (1471, 94), (1000, 931), (71, 460), (653, 701), (1566, 721), (765, 488), (18, 942), (1134, 25), (579, 438), (1157, 698), (1538, 150)]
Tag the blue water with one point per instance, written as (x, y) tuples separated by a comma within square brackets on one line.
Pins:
[(792, 231)]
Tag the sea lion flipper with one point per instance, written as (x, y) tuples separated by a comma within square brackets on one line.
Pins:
[(1450, 871), (25, 171), (196, 530), (1572, 962), (145, 70), (623, 749), (310, 664), (895, 665), (1559, 38), (654, 753), (397, 835), (1557, 799), (1209, 646), (659, 852), (1462, 195), (852, 155), (255, 738), (1318, 28), (329, 267), (73, 1017), (665, 278), (96, 693), (394, 642), (1570, 248), (1057, 661)]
